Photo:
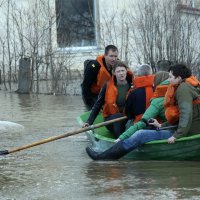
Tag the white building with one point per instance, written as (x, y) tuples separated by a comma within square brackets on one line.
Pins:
[(58, 35)]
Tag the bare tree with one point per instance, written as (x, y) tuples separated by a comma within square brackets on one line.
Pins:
[(150, 30), (3, 62), (164, 31), (154, 30), (8, 43)]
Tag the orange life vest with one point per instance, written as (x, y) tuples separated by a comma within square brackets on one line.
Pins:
[(102, 77), (171, 108), (110, 107), (147, 83), (160, 91)]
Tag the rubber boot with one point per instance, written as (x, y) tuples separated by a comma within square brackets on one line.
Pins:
[(113, 153)]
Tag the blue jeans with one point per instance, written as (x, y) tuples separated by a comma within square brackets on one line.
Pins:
[(142, 136)]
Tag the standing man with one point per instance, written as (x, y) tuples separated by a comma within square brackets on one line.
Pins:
[(96, 73)]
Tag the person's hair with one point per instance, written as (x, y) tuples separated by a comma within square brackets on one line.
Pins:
[(110, 47), (180, 70), (164, 65), (160, 77), (144, 70), (119, 63)]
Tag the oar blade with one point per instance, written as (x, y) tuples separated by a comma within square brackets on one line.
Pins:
[(4, 152)]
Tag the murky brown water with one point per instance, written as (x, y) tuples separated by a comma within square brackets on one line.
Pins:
[(62, 170)]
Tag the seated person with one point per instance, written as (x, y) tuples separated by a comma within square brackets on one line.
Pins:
[(182, 106), (163, 65), (139, 99), (156, 108), (113, 97)]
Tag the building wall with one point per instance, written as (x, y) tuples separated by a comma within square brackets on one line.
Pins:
[(23, 13), (107, 13)]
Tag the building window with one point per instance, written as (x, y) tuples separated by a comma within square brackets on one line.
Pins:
[(75, 23), (196, 3), (191, 3)]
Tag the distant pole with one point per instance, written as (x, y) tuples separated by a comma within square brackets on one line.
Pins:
[(0, 77), (24, 76)]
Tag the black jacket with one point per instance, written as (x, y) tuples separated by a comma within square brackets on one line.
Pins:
[(136, 103), (90, 77)]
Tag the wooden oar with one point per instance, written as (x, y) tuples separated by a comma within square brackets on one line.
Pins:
[(50, 139)]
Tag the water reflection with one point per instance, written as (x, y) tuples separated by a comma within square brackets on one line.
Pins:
[(62, 170), (149, 179), (26, 100)]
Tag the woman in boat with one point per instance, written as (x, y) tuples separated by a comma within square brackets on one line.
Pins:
[(156, 108), (181, 103), (112, 97)]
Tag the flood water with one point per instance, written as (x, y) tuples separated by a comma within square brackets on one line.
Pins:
[(62, 170)]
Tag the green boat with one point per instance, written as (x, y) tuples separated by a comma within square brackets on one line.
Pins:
[(186, 148)]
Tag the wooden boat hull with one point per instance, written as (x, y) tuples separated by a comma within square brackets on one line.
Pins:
[(187, 148)]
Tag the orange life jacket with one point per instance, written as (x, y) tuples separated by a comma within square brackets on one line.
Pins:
[(102, 77), (110, 107), (171, 108), (160, 91), (147, 83)]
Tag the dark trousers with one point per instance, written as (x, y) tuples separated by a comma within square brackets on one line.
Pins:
[(116, 128), (89, 103)]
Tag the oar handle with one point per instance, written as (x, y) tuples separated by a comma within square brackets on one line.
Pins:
[(106, 123), (50, 139)]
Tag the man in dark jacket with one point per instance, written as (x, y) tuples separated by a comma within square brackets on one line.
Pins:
[(96, 73)]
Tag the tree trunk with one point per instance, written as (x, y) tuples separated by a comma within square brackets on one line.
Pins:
[(24, 79)]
